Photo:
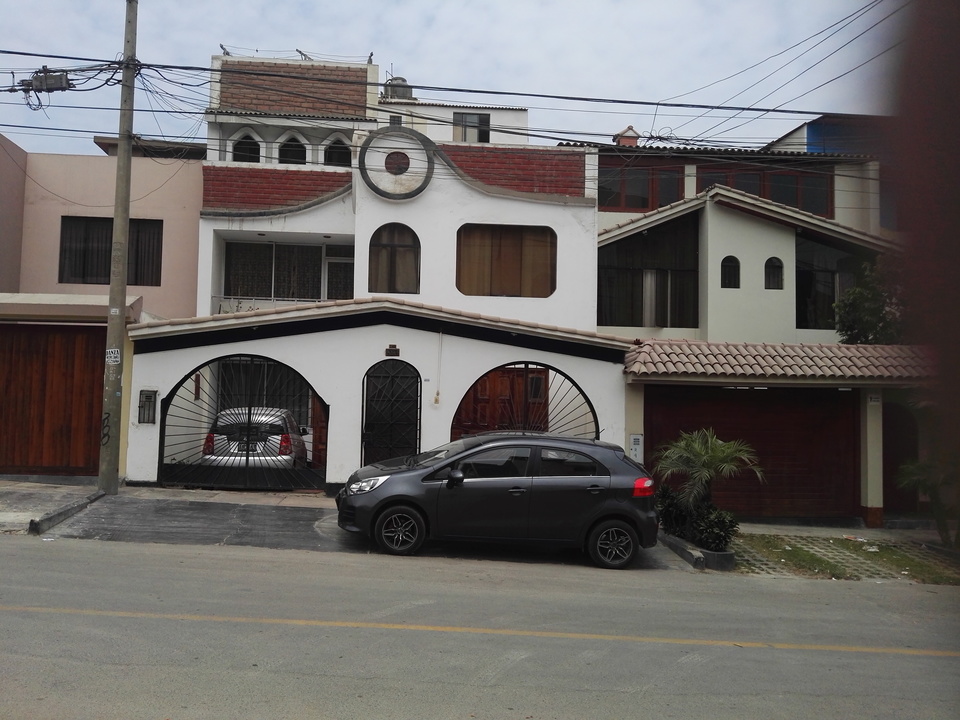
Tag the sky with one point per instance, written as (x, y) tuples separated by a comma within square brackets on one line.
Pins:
[(625, 55)]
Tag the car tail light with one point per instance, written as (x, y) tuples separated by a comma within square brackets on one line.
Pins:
[(208, 444), (643, 487), (286, 447)]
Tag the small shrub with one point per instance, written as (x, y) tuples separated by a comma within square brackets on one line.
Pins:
[(714, 529), (706, 526)]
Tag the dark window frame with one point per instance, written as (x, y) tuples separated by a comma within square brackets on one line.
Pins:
[(813, 189), (619, 181), (337, 154), (466, 123), (730, 272), (773, 274), (496, 260), (86, 248), (394, 260), (292, 151), (243, 150)]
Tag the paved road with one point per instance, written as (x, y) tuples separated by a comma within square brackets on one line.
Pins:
[(136, 630)]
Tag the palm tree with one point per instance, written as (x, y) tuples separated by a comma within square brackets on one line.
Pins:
[(703, 459)]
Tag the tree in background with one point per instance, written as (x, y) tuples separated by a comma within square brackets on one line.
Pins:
[(871, 312)]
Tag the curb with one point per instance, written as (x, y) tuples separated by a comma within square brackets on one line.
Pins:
[(51, 519), (687, 551)]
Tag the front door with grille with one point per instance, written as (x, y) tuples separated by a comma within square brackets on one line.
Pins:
[(391, 411)]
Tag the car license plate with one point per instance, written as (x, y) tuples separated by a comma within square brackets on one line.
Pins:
[(246, 447)]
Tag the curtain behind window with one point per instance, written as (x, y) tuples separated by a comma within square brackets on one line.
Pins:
[(394, 260)]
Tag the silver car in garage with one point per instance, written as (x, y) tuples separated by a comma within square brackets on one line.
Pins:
[(255, 437)]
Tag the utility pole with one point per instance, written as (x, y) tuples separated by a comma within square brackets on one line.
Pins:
[(110, 426)]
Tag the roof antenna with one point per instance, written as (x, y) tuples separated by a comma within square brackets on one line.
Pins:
[(303, 55)]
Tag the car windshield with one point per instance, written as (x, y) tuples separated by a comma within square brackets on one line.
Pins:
[(437, 454)]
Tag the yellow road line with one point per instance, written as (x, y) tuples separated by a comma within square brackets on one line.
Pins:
[(478, 631)]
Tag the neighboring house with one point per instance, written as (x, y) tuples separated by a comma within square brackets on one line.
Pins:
[(398, 273), (55, 246)]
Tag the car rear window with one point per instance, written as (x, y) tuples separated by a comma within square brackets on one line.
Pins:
[(566, 463)]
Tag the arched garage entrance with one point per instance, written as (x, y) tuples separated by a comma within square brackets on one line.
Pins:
[(243, 422), (525, 396)]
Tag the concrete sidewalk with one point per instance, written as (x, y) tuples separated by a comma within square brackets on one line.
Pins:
[(23, 503)]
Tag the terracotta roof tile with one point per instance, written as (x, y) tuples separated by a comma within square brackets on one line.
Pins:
[(689, 359)]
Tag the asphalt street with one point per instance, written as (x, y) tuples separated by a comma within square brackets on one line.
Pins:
[(102, 630)]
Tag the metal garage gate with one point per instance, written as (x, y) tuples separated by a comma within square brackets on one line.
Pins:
[(807, 441)]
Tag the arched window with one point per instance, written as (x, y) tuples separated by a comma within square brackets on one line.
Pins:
[(337, 154), (729, 272), (394, 260), (773, 274), (246, 149), (293, 152)]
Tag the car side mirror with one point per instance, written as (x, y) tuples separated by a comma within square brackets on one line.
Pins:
[(454, 478)]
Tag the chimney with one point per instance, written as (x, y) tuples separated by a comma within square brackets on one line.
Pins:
[(627, 138)]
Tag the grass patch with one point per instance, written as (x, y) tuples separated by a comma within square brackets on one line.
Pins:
[(796, 560), (928, 572)]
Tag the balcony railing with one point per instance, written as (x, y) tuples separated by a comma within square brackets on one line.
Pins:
[(233, 304)]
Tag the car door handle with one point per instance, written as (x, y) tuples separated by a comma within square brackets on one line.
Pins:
[(517, 490), (594, 489)]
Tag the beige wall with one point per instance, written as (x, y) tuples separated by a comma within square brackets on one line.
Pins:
[(161, 189), (13, 163)]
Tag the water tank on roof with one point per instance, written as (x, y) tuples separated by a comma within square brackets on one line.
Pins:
[(396, 88)]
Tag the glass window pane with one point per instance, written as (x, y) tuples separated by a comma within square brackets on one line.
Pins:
[(815, 194), (608, 190), (705, 179), (669, 186), (784, 189), (748, 182), (636, 188)]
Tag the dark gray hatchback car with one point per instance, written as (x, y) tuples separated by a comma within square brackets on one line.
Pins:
[(512, 487)]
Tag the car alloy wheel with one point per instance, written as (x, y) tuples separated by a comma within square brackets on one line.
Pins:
[(400, 530), (613, 545)]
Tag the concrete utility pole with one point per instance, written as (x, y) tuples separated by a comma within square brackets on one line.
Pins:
[(110, 426)]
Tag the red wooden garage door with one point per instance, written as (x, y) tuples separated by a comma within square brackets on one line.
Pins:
[(807, 442), (52, 380)]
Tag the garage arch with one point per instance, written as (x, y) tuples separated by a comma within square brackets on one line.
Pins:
[(525, 396), (247, 456)]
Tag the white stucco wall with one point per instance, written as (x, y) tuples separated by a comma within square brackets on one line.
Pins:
[(335, 362), (334, 218), (82, 185), (749, 313), (448, 203), (507, 126)]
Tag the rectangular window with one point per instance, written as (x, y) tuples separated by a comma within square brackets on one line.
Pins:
[(639, 188), (471, 127), (86, 246), (506, 260), (823, 274), (652, 279), (810, 190), (287, 272)]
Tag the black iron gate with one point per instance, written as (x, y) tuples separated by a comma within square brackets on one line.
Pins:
[(391, 411), (243, 422)]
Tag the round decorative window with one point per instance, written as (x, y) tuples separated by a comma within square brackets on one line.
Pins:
[(396, 163)]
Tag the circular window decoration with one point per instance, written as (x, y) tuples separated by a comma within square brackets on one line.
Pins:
[(396, 163)]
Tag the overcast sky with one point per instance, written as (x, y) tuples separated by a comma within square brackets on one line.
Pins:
[(622, 50)]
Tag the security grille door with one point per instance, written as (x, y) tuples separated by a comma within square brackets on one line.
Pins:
[(243, 422), (391, 411)]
